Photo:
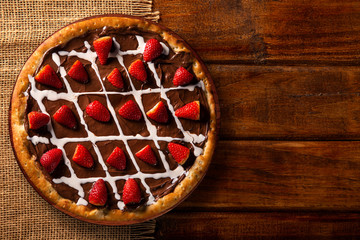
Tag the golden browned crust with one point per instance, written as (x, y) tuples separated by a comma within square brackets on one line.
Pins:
[(33, 172)]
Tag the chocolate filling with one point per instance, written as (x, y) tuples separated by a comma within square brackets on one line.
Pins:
[(166, 66)]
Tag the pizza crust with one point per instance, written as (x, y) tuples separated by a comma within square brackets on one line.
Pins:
[(29, 165)]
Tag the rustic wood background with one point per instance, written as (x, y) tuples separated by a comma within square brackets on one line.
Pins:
[(287, 163)]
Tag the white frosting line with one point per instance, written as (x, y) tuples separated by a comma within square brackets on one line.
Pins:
[(76, 182)]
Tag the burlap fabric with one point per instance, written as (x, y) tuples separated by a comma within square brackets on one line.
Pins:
[(24, 25)]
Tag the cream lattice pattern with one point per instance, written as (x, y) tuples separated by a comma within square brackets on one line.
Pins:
[(74, 181)]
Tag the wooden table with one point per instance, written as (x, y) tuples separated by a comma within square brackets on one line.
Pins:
[(287, 163)]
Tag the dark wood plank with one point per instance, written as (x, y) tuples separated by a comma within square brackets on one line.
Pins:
[(268, 31), (280, 175), (238, 225), (310, 103)]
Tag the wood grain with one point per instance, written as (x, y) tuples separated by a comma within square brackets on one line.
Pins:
[(280, 175), (258, 225), (268, 31), (306, 103)]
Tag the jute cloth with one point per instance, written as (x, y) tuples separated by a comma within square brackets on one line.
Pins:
[(24, 25)]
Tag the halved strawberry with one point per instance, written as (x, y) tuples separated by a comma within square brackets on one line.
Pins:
[(51, 159), (65, 117), (189, 111), (117, 159), (158, 113), (47, 76), (78, 72), (97, 111), (102, 47), (131, 192), (147, 155), (182, 77), (138, 71), (98, 193), (115, 78), (83, 157), (37, 119), (152, 50), (179, 152), (130, 111)]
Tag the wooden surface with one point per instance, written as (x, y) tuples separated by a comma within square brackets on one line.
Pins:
[(288, 160)]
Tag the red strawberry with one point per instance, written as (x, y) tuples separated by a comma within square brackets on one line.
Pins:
[(115, 78), (152, 50), (182, 77), (47, 76), (138, 71), (83, 157), (147, 155), (102, 47), (51, 159), (189, 111), (37, 119), (117, 159), (158, 113), (130, 111), (66, 117), (131, 192), (78, 72), (98, 193), (179, 152), (97, 111)]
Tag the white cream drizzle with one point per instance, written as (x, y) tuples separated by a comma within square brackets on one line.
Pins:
[(74, 181)]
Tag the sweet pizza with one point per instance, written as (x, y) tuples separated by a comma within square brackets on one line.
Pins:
[(112, 119)]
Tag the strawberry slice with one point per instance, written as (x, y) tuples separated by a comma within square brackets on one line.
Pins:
[(182, 77), (51, 159), (130, 111), (98, 193), (189, 111), (83, 157), (115, 78), (117, 159), (102, 47), (97, 111), (65, 117), (138, 71), (47, 76), (37, 119), (158, 113), (147, 155), (78, 72), (179, 152), (152, 50), (131, 192)]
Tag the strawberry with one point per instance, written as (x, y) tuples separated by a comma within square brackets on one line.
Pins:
[(78, 72), (66, 117), (147, 155), (189, 111), (138, 71), (179, 152), (131, 192), (115, 78), (47, 76), (83, 157), (98, 193), (97, 111), (117, 159), (152, 50), (158, 113), (51, 159), (130, 111), (37, 119), (182, 77), (102, 47)]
